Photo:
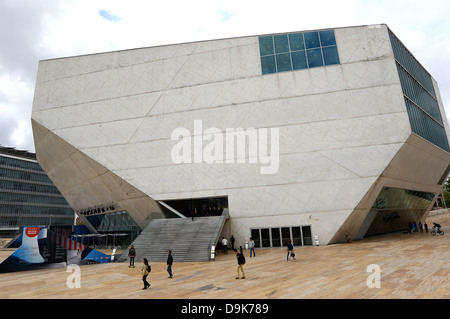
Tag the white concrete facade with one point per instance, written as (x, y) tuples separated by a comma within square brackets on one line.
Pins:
[(103, 123)]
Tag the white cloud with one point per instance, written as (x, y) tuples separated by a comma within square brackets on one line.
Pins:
[(15, 98)]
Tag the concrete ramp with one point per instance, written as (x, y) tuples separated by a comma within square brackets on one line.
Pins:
[(189, 240)]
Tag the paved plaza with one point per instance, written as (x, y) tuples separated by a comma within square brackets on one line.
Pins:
[(410, 266)]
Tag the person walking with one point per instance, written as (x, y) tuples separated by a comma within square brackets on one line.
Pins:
[(426, 227), (232, 240), (146, 268), (252, 247), (290, 250), (131, 255), (169, 263), (421, 227), (224, 245), (241, 262)]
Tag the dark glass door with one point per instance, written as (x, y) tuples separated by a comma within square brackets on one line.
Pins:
[(285, 235), (296, 236), (276, 240), (265, 237), (255, 237), (307, 237)]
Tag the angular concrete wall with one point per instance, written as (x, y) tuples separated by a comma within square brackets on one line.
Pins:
[(85, 183)]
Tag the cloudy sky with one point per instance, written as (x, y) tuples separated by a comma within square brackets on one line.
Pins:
[(32, 30)]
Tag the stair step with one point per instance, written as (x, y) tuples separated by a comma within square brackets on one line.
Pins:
[(189, 240)]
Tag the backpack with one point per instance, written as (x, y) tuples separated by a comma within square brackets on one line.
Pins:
[(241, 259), (149, 268)]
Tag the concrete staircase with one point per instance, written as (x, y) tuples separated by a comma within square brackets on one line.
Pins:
[(189, 240)]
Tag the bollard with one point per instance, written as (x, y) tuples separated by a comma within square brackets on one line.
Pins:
[(213, 252)]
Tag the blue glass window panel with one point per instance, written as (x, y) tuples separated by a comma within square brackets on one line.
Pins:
[(268, 64), (314, 58), (299, 60), (281, 43), (330, 55), (312, 40), (284, 62), (286, 52), (266, 45), (327, 38), (296, 41)]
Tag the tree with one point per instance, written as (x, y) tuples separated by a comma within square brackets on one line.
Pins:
[(446, 192)]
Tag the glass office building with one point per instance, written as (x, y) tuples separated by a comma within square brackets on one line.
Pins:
[(27, 195)]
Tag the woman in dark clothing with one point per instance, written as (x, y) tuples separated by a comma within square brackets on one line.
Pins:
[(169, 263), (145, 271)]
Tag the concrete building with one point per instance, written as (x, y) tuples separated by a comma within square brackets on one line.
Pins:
[(314, 136)]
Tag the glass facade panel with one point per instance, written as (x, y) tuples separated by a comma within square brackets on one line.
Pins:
[(396, 209), (281, 43), (312, 40), (276, 238), (327, 38), (285, 235), (314, 58), (330, 55), (296, 236), (420, 98), (256, 237), (396, 198), (266, 45), (27, 195), (265, 237), (284, 62), (296, 41), (307, 236), (299, 60), (287, 52), (114, 222), (279, 236), (268, 64)]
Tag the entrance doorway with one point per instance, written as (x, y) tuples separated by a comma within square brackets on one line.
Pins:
[(279, 236), (200, 207)]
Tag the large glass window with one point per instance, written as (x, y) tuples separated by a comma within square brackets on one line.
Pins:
[(397, 198), (276, 239), (296, 51), (296, 236), (307, 236), (256, 237), (420, 98), (265, 237), (279, 236), (285, 235)]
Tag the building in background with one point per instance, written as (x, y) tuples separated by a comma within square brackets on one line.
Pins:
[(27, 196), (359, 144)]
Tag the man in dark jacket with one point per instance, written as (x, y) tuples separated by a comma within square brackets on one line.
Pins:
[(132, 254), (241, 261), (169, 263)]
